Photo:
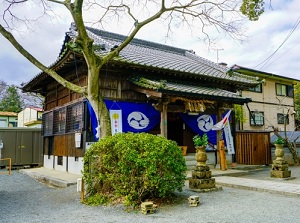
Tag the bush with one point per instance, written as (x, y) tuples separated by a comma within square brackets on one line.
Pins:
[(132, 167)]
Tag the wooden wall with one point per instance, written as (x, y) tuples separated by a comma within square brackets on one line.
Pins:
[(113, 85), (63, 145)]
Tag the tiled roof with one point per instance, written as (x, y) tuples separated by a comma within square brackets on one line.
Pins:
[(262, 74), (291, 135), (169, 86), (160, 56), (146, 54), (36, 108), (11, 114)]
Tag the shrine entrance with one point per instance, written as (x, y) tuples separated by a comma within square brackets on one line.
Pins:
[(180, 132)]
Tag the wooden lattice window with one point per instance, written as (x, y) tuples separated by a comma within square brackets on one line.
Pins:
[(66, 119), (75, 117), (59, 123), (48, 124)]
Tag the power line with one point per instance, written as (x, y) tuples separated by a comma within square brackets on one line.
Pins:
[(284, 53), (288, 36)]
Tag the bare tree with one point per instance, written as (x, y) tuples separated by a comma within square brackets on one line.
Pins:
[(290, 140), (199, 15)]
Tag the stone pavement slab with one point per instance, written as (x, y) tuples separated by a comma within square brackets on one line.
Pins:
[(52, 177), (259, 185)]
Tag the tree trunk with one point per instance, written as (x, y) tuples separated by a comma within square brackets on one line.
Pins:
[(293, 150), (97, 102)]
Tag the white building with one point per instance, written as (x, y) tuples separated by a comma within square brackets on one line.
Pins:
[(30, 117), (8, 119)]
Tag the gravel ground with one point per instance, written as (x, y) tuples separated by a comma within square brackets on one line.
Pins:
[(22, 199)]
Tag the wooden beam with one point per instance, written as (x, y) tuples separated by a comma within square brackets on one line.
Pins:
[(147, 92)]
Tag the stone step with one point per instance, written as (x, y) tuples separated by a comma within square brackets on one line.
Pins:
[(190, 157), (191, 162)]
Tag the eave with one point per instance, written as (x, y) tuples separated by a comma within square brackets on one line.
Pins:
[(262, 74)]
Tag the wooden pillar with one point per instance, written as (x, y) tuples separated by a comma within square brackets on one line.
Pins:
[(223, 164), (220, 142), (233, 134), (219, 132), (164, 121)]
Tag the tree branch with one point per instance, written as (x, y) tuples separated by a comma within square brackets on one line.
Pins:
[(38, 64)]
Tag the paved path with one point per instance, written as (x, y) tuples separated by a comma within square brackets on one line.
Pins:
[(259, 185), (230, 178), (52, 177)]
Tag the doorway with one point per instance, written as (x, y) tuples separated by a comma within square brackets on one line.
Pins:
[(175, 128)]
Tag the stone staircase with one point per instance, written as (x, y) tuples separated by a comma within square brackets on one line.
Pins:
[(191, 162)]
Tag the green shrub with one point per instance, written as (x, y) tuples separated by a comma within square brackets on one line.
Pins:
[(132, 167)]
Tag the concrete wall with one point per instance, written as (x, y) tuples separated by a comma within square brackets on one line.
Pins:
[(49, 162), (70, 164), (268, 102), (75, 165)]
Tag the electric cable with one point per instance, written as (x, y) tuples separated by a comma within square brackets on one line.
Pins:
[(288, 36)]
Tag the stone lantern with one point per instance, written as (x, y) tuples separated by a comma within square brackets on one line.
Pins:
[(280, 166), (201, 180)]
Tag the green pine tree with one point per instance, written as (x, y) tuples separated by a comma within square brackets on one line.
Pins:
[(11, 100)]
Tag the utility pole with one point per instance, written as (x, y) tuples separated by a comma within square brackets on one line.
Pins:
[(218, 54)]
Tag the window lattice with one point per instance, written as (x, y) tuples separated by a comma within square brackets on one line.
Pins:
[(75, 117), (59, 124), (257, 118), (281, 118), (64, 120), (48, 124)]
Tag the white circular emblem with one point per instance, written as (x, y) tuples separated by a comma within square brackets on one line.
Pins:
[(205, 123), (137, 120)]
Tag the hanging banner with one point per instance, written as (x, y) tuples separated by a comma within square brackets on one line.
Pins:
[(225, 125), (201, 124), (95, 127), (136, 117), (116, 121), (229, 139)]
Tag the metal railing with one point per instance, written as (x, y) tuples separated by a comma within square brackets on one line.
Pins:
[(9, 166)]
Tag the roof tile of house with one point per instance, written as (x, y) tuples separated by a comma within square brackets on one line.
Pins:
[(161, 56), (154, 56), (11, 114), (184, 89)]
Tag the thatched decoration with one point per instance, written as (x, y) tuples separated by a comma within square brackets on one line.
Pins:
[(193, 105)]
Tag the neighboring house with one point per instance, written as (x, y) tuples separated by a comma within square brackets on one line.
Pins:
[(8, 119), (149, 87), (272, 101), (30, 117)]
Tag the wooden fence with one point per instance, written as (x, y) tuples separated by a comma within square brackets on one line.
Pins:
[(253, 148)]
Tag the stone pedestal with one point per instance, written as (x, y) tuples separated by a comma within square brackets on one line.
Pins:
[(194, 201), (201, 180), (280, 166), (280, 174), (147, 207)]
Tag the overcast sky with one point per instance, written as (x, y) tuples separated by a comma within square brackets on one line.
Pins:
[(273, 44)]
